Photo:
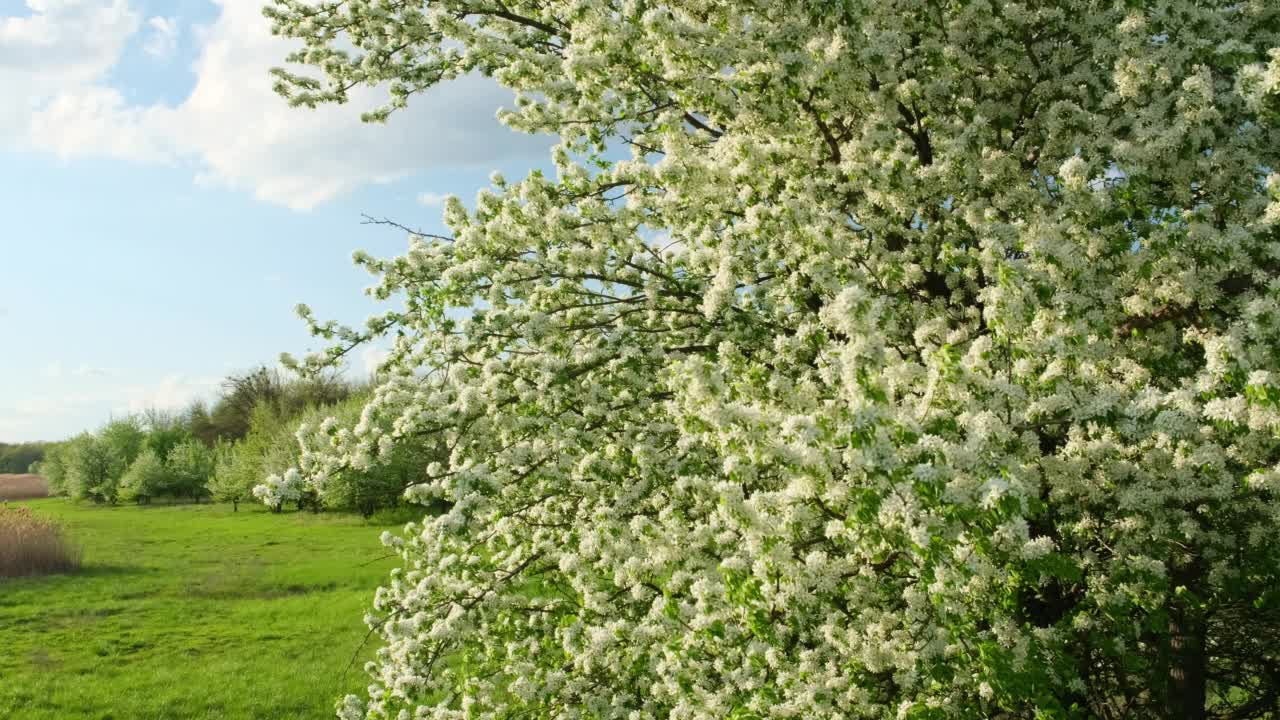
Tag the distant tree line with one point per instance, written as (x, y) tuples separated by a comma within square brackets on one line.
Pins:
[(225, 449), (18, 458)]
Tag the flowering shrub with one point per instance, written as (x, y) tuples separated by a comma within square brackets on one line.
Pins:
[(32, 545), (920, 361), (277, 490)]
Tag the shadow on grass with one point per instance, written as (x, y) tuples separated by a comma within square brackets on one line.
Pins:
[(109, 570), (80, 573)]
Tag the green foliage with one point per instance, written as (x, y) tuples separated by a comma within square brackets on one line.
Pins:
[(55, 466), (190, 466), (124, 440), (92, 471), (224, 486), (267, 448), (95, 462), (231, 416), (146, 478), (19, 458), (272, 447), (163, 440), (200, 424), (261, 403)]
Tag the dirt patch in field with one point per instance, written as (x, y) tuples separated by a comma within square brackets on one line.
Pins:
[(22, 487)]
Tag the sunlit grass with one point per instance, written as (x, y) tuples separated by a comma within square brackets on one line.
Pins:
[(191, 611)]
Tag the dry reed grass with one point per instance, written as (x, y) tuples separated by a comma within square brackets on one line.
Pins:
[(22, 487), (32, 545)]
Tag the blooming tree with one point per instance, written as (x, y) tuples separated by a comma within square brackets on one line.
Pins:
[(277, 490), (891, 359), (364, 486)]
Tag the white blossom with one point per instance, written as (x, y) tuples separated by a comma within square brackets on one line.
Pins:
[(913, 358)]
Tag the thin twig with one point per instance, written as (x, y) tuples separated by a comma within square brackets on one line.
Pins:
[(370, 220)]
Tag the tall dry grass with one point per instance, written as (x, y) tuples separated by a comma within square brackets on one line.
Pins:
[(22, 487), (32, 545)]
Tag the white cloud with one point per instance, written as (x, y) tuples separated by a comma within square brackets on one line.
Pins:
[(56, 370), (432, 199), (87, 370), (50, 404), (97, 121), (240, 133), (60, 45), (373, 356), (163, 41), (82, 400), (172, 392)]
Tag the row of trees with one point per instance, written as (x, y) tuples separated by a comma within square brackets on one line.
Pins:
[(129, 459), (18, 458), (239, 448)]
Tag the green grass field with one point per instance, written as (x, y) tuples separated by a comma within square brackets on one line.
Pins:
[(191, 611)]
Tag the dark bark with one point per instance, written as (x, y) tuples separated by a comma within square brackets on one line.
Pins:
[(1187, 659)]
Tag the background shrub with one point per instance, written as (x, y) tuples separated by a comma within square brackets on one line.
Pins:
[(222, 449), (190, 466), (146, 478), (91, 472)]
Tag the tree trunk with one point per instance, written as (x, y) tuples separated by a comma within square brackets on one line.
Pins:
[(1188, 661), (1187, 666)]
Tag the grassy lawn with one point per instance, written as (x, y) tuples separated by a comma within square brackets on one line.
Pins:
[(191, 611)]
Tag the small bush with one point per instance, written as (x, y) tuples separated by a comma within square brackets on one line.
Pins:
[(32, 545)]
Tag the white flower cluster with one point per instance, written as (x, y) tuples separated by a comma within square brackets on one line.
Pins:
[(918, 363), (277, 490)]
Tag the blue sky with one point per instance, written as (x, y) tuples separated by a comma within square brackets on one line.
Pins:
[(163, 212)]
